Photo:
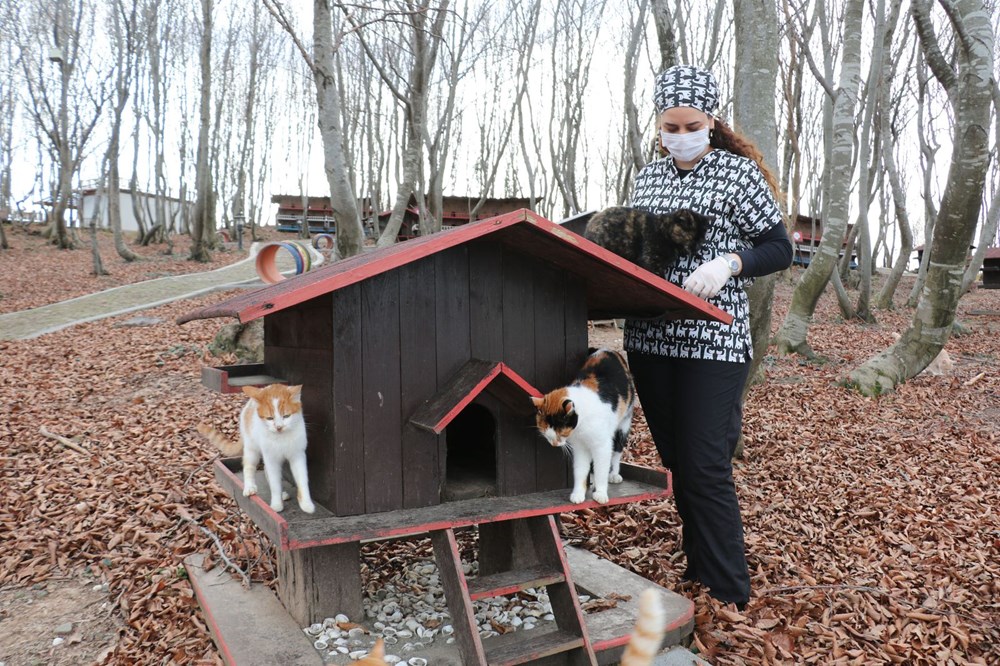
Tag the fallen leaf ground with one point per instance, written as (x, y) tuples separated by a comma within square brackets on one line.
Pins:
[(873, 525)]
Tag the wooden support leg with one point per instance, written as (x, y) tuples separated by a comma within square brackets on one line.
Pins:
[(562, 596), (317, 583), (504, 546), (456, 593)]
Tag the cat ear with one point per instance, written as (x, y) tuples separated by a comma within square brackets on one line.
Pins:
[(251, 391), (537, 402), (379, 650), (296, 391), (567, 406)]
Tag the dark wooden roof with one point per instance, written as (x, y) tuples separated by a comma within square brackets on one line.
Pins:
[(614, 287)]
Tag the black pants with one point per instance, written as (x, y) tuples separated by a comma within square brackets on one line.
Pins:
[(693, 411)]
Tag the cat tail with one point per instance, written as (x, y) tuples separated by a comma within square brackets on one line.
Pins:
[(220, 442), (650, 625)]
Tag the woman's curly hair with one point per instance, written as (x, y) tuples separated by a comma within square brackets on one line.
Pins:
[(726, 138)]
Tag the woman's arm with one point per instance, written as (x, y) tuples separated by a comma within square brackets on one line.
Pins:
[(771, 252)]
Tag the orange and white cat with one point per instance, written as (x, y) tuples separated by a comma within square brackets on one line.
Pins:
[(650, 626), (374, 658), (272, 428)]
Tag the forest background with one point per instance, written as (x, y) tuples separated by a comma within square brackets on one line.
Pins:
[(872, 523), (882, 122)]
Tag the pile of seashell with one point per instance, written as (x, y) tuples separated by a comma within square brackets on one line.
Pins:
[(409, 613)]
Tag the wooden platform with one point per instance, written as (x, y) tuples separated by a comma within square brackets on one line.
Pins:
[(235, 617), (294, 530)]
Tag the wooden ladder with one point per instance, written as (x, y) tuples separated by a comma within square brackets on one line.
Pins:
[(537, 536)]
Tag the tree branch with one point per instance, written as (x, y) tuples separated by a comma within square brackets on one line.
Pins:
[(68, 443), (920, 11)]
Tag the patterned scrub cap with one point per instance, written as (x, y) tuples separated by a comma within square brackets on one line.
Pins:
[(686, 85)]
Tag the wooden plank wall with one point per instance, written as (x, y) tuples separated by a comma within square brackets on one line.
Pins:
[(550, 365), (298, 349), (380, 384), (418, 381), (348, 492), (452, 328)]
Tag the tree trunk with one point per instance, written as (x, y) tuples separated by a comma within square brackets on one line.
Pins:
[(350, 234), (665, 34), (753, 115), (202, 228), (885, 296), (989, 231), (791, 338), (968, 86)]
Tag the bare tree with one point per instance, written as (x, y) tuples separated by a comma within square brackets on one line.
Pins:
[(663, 19), (572, 54), (124, 28), (422, 28), (837, 179), (634, 129), (203, 227), (8, 105), (988, 233), (65, 108), (754, 116), (350, 235), (967, 79), (523, 31)]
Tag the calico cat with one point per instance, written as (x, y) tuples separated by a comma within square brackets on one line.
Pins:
[(650, 626), (646, 239), (591, 417), (272, 428)]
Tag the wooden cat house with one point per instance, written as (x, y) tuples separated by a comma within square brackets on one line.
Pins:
[(417, 362)]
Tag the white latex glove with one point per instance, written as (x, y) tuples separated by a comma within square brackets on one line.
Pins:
[(709, 278)]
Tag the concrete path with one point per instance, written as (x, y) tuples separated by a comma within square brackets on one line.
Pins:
[(124, 299)]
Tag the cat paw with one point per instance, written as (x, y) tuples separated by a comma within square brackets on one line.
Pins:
[(278, 506), (600, 498), (615, 478), (307, 506), (578, 496), (249, 490)]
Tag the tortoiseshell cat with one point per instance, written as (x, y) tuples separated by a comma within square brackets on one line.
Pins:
[(646, 239), (591, 417)]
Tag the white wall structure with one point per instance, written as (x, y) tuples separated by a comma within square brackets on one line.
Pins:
[(94, 200)]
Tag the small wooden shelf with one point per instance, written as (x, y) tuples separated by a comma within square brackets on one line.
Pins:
[(232, 378), (294, 530)]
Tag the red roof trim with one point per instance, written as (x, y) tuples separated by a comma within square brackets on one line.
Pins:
[(360, 267), (499, 370)]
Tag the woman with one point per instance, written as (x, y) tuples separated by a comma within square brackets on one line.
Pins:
[(689, 374)]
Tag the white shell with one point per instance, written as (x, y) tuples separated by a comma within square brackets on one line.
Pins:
[(320, 644), (417, 661), (340, 617)]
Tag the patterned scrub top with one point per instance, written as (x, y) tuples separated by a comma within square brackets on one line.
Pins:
[(730, 190)]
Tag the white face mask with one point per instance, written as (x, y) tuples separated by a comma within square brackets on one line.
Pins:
[(685, 147)]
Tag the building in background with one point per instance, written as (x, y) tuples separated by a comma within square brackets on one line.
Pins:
[(91, 202)]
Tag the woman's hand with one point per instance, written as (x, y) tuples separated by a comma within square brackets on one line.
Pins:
[(709, 278)]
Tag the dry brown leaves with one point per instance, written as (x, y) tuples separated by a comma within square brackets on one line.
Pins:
[(872, 525), (34, 273)]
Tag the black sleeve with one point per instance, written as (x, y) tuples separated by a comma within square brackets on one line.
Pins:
[(772, 252)]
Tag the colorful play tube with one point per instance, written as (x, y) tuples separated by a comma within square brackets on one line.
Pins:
[(330, 241), (267, 267)]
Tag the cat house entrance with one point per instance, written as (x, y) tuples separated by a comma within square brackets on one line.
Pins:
[(471, 464)]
